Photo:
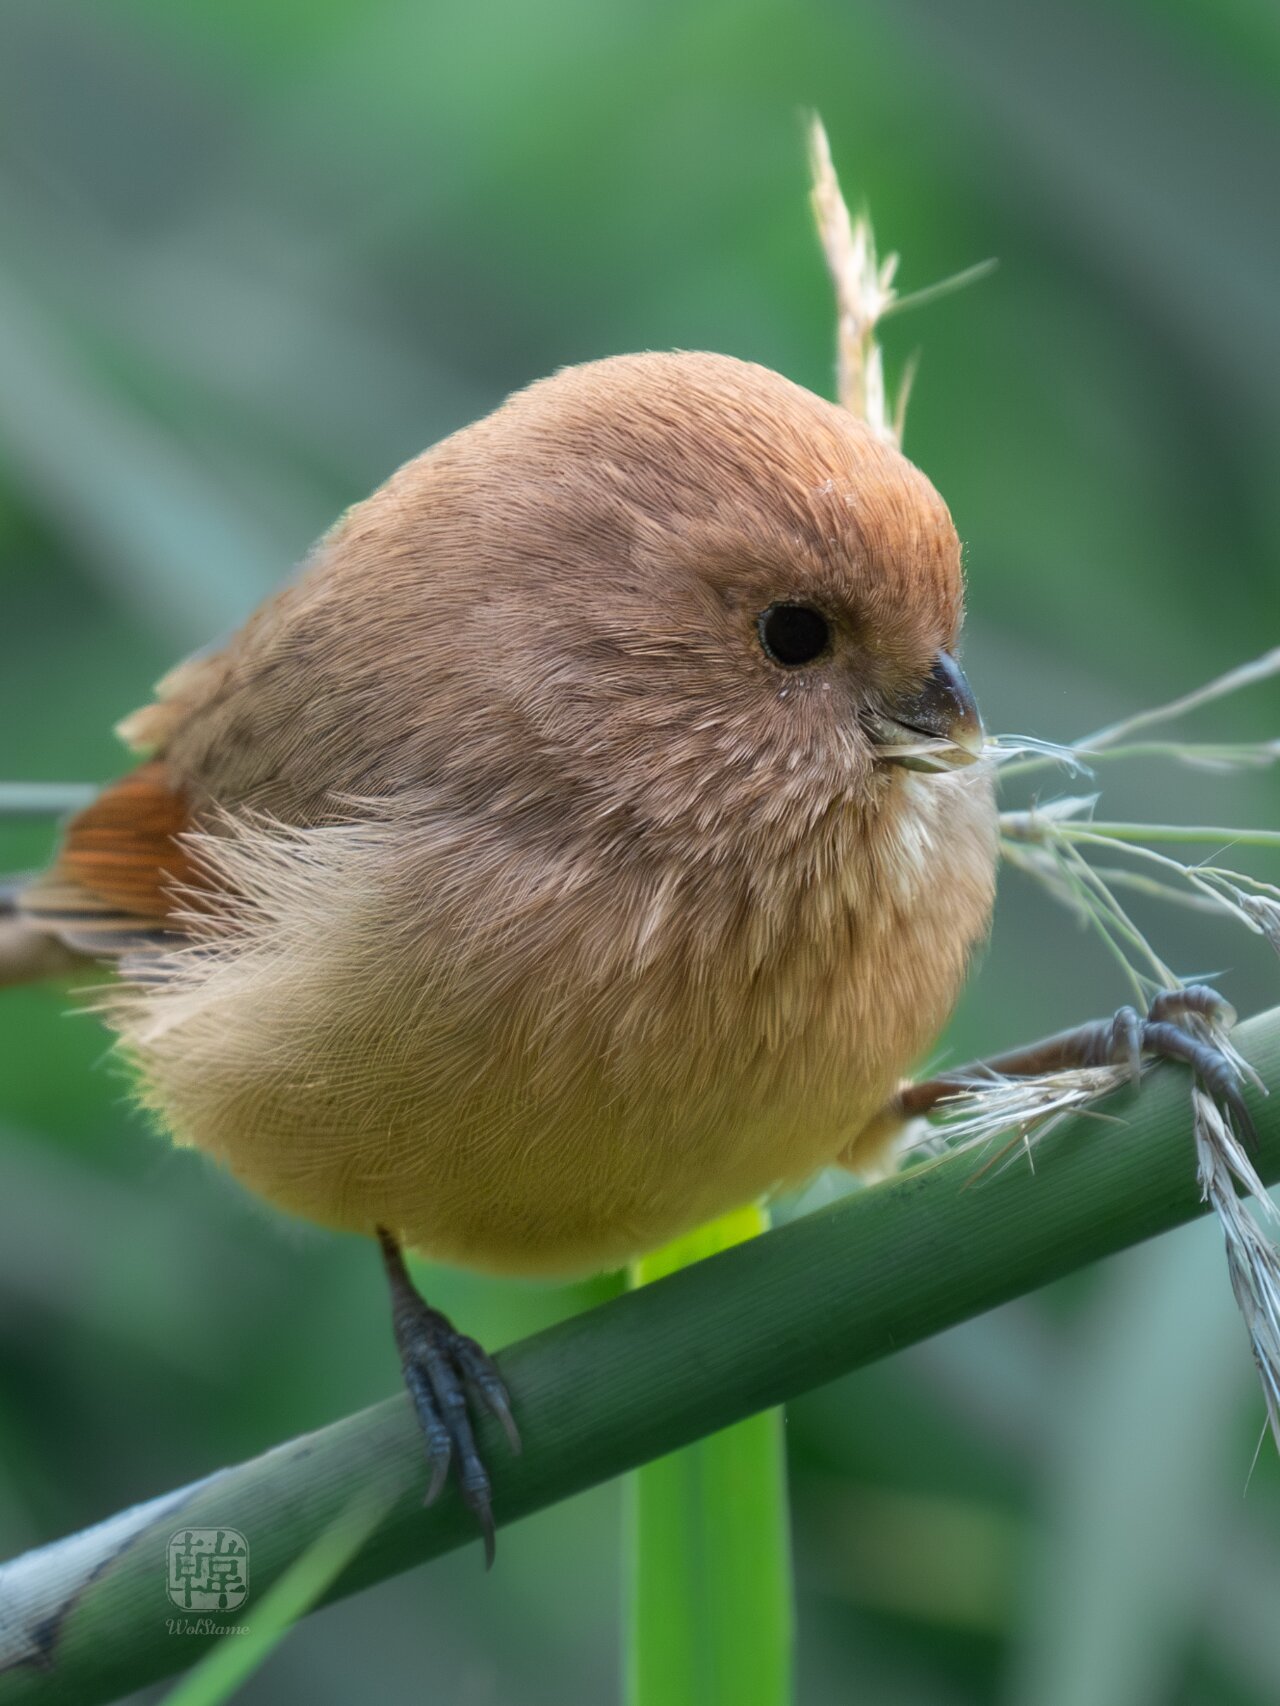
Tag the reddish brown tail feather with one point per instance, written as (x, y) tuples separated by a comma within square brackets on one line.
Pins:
[(120, 865)]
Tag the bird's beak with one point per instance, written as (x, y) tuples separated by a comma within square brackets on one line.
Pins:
[(937, 728)]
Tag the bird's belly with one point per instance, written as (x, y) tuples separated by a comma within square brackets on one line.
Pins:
[(479, 1147), (524, 1100), (529, 1183)]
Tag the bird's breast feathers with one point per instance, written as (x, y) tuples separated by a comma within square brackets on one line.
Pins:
[(549, 1062)]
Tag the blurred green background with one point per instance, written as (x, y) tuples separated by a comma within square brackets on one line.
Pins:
[(254, 253)]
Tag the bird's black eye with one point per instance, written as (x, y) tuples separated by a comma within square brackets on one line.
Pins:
[(792, 634)]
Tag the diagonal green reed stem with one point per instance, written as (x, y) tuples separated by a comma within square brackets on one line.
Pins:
[(83, 1620)]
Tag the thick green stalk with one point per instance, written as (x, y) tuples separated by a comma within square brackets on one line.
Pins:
[(84, 1619), (708, 1544)]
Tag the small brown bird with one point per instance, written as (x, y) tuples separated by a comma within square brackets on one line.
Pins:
[(585, 844)]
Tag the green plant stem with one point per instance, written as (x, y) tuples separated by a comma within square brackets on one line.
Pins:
[(708, 1544), (1022, 826), (83, 1620), (221, 1671)]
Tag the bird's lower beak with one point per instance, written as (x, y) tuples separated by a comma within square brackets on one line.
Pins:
[(938, 728)]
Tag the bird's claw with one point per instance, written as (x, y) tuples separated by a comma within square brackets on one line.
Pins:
[(445, 1373), (1178, 1025)]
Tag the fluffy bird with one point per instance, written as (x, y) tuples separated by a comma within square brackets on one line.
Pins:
[(584, 844)]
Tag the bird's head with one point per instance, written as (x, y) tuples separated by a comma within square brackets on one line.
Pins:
[(689, 596)]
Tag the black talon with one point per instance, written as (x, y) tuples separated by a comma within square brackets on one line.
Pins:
[(478, 1366), (442, 1370), (1124, 1040), (1165, 1034)]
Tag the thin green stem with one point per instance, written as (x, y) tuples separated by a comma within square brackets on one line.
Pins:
[(220, 1673), (1026, 826), (1244, 675), (1202, 755), (43, 799)]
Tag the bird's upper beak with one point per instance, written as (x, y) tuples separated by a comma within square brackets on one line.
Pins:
[(936, 728)]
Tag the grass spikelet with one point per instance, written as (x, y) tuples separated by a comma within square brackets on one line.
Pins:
[(1081, 861)]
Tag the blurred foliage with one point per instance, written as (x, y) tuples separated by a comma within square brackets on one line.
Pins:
[(254, 254)]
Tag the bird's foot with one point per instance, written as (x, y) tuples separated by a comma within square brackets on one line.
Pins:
[(1188, 1025), (1180, 1024), (446, 1374)]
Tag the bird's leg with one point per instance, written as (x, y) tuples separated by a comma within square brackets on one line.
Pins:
[(1176, 1026), (445, 1372)]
